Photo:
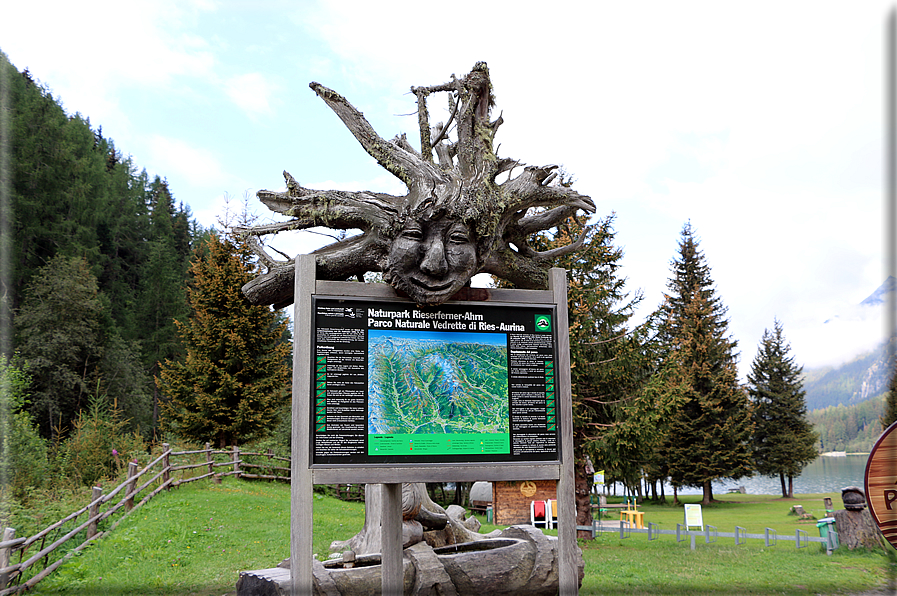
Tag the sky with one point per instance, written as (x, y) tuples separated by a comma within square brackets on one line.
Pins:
[(761, 123)]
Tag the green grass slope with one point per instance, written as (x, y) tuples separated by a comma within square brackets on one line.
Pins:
[(196, 539)]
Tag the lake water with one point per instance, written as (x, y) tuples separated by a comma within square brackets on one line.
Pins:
[(824, 475)]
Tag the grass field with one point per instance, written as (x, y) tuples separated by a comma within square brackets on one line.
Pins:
[(196, 539)]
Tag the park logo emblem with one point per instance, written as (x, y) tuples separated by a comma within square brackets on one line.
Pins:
[(543, 322), (881, 483)]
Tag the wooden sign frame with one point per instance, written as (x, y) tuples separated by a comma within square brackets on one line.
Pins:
[(304, 477)]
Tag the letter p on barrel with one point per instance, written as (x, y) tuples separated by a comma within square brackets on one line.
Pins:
[(890, 497)]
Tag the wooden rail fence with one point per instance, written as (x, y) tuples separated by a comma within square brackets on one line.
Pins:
[(157, 475)]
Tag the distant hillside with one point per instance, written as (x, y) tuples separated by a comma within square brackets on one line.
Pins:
[(853, 428), (854, 382)]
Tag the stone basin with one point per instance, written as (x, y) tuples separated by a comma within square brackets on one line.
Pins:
[(521, 561)]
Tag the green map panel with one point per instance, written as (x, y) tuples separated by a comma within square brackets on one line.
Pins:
[(430, 385)]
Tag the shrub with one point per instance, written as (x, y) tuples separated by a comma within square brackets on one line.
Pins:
[(99, 445), (23, 453)]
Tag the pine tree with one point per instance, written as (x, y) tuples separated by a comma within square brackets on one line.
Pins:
[(161, 293), (709, 430), (234, 377), (784, 440), (609, 362)]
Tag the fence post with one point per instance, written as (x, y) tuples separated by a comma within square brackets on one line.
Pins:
[(236, 461), (166, 467), (8, 534), (132, 471), (92, 511), (209, 456)]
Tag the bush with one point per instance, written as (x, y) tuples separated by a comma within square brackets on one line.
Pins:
[(23, 453), (99, 445)]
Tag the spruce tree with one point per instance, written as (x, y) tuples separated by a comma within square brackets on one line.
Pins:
[(609, 361), (234, 376), (784, 440), (708, 437), (161, 294)]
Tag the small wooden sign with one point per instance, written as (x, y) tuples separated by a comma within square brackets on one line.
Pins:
[(881, 483), (527, 488)]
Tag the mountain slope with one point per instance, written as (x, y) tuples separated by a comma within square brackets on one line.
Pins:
[(854, 382)]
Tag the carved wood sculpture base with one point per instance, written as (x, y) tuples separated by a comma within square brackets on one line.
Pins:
[(520, 561)]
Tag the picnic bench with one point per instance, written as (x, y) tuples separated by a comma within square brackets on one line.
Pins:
[(480, 506), (603, 506)]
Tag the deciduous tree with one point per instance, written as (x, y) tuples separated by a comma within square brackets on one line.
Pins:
[(58, 333), (23, 453)]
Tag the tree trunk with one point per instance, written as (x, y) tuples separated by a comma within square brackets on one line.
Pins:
[(784, 490), (708, 494), (790, 487), (856, 529), (583, 502), (155, 406)]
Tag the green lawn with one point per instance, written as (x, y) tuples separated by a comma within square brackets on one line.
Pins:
[(196, 539)]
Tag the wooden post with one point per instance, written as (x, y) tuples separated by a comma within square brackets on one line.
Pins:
[(132, 471), (301, 498), (236, 461), (568, 571), (209, 457), (392, 576), (166, 466), (92, 511), (8, 534)]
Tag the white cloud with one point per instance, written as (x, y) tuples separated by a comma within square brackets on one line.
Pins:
[(252, 92), (197, 166)]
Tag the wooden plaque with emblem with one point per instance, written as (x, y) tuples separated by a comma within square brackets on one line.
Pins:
[(881, 483)]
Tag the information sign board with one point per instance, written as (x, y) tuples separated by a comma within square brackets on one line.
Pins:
[(693, 516), (396, 383), (881, 483)]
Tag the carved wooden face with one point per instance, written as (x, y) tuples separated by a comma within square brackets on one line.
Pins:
[(431, 259)]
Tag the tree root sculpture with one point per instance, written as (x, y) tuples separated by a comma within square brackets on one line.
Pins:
[(456, 219)]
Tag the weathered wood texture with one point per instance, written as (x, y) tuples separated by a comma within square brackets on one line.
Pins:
[(301, 484), (569, 554), (857, 529), (491, 221), (511, 505)]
